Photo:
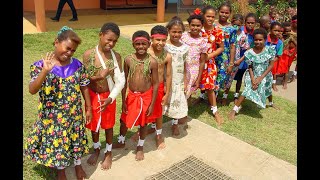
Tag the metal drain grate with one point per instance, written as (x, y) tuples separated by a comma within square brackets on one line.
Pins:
[(190, 168)]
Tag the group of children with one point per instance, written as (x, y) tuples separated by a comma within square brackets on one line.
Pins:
[(157, 79)]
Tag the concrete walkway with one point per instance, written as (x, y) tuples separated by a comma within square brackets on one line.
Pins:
[(229, 155)]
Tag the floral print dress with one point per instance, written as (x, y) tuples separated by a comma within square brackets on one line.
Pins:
[(260, 63), (223, 59), (58, 135), (242, 45), (210, 70), (197, 46), (177, 107)]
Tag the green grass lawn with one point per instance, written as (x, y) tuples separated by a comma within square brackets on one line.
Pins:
[(274, 131)]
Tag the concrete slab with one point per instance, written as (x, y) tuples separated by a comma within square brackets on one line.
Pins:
[(223, 152)]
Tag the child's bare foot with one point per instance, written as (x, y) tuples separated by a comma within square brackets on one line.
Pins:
[(160, 142), (139, 154), (274, 87), (118, 145), (62, 174), (232, 115), (218, 119), (175, 130), (224, 101), (94, 157), (107, 162), (135, 137), (80, 172)]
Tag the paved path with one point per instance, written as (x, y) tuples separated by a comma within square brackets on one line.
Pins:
[(219, 150)]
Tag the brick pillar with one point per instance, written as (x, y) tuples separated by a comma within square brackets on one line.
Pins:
[(160, 10), (40, 15)]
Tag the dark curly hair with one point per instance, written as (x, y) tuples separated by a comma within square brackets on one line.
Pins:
[(110, 26), (159, 29)]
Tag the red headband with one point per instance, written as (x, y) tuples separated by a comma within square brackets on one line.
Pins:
[(159, 36), (140, 38), (294, 21)]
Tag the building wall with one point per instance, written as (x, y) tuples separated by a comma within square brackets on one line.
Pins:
[(28, 5)]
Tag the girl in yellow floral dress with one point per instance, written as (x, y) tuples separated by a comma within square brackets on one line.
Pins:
[(58, 136)]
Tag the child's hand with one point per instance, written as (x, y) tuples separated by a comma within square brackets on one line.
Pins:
[(48, 62), (150, 110), (105, 72), (236, 63), (105, 103), (88, 115), (229, 69), (164, 100), (196, 85), (124, 108), (253, 84), (258, 80)]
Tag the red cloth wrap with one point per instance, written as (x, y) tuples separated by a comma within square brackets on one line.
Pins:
[(107, 116)]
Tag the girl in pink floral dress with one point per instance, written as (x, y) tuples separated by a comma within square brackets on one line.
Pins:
[(197, 53)]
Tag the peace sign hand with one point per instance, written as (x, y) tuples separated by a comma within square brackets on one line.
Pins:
[(48, 62)]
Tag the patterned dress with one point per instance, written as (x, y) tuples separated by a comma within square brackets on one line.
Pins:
[(210, 70), (197, 46), (58, 135), (242, 45), (260, 63), (222, 60), (178, 107)]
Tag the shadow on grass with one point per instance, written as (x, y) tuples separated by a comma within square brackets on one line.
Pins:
[(45, 172)]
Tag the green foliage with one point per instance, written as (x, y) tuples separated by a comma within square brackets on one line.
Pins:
[(260, 7)]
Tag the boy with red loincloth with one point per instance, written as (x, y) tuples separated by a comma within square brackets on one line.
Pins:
[(159, 36), (106, 81), (141, 73)]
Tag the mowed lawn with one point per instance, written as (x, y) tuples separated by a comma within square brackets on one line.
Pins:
[(273, 131)]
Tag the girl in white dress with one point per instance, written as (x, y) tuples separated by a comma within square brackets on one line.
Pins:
[(177, 107)]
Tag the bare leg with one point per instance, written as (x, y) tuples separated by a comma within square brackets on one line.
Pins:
[(274, 86), (159, 138), (175, 128), (225, 96), (80, 172), (135, 136), (107, 162), (285, 81), (294, 75), (140, 154), (271, 104), (238, 87), (95, 155), (151, 130), (232, 113), (123, 132), (213, 103), (183, 120), (61, 174)]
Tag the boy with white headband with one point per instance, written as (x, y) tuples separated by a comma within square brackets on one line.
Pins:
[(107, 80)]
